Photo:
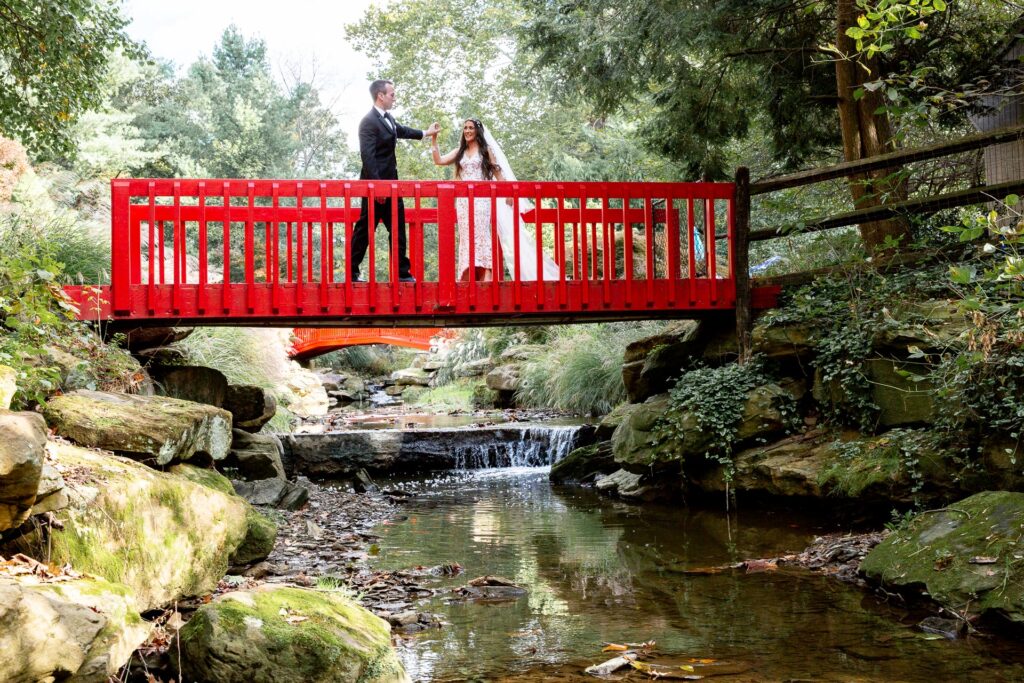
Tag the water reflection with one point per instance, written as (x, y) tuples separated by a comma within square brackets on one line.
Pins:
[(599, 571)]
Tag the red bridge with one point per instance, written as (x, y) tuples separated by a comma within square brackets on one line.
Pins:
[(274, 253), (310, 342)]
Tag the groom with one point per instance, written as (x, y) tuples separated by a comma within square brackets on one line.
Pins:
[(378, 133)]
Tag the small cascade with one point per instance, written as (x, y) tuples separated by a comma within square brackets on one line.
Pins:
[(378, 397), (417, 449), (528, 446)]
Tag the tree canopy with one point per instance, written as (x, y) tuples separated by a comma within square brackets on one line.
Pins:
[(53, 58), (708, 73)]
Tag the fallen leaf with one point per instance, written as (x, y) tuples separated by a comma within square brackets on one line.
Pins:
[(614, 647), (983, 559)]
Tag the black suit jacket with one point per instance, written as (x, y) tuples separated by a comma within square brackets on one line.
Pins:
[(377, 146)]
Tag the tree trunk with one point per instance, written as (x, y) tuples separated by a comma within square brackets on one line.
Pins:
[(865, 134)]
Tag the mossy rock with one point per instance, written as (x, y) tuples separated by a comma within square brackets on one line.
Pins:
[(141, 427), (163, 535), (610, 422), (287, 635), (84, 629), (584, 462), (635, 445), (259, 539), (966, 557)]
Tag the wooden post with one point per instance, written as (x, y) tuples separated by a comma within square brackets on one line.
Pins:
[(741, 260)]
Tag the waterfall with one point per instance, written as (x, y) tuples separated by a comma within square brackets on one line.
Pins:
[(529, 446)]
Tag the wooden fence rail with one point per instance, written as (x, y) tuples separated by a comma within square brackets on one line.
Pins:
[(744, 189)]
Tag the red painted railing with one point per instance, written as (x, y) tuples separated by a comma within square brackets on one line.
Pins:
[(625, 251), (310, 342)]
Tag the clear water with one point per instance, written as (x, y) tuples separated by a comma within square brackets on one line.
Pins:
[(598, 571)]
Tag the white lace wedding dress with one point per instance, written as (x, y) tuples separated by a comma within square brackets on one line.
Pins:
[(471, 168), (506, 225)]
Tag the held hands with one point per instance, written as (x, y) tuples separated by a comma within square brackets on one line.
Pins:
[(434, 129)]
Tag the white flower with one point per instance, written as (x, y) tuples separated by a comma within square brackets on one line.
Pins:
[(989, 248)]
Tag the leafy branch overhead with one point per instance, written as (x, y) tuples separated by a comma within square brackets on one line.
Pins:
[(53, 57)]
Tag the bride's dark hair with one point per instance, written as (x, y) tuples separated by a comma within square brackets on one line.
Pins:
[(485, 153)]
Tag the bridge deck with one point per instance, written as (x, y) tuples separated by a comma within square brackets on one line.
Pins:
[(624, 251)]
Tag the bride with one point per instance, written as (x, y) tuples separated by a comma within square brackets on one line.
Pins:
[(480, 157)]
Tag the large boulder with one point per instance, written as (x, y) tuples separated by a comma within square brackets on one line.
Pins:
[(792, 467), (931, 325), (274, 492), (503, 378), (251, 407), (964, 557), (415, 377), (584, 464), (796, 339), (637, 445), (22, 451), (650, 364), (84, 629), (610, 422), (901, 401), (259, 539), (634, 442), (475, 368), (165, 536), (306, 396), (142, 427), (8, 386), (52, 494), (191, 383), (899, 398), (287, 635), (150, 337), (255, 456)]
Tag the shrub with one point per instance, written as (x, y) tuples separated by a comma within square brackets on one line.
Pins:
[(580, 368)]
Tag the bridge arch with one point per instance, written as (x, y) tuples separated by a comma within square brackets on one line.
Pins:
[(312, 342)]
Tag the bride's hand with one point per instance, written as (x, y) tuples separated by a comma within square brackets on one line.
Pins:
[(508, 200)]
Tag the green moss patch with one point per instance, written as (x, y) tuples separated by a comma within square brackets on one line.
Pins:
[(968, 556), (287, 634), (161, 535)]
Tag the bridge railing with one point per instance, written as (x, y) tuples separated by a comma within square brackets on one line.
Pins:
[(222, 248)]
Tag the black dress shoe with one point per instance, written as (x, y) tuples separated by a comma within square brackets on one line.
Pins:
[(406, 278)]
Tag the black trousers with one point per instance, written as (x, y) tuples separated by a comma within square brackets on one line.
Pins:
[(361, 235)]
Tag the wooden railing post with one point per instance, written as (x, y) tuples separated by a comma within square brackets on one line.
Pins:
[(741, 260), (446, 225), (120, 242)]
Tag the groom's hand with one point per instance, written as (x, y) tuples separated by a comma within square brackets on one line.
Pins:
[(434, 129)]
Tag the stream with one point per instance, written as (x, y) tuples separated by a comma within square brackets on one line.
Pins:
[(598, 572)]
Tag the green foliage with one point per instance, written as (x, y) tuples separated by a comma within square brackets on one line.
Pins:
[(900, 453), (245, 357), (470, 346), (54, 54), (36, 324), (580, 368), (981, 386), (456, 396), (498, 339), (486, 74), (715, 398), (377, 360), (701, 77)]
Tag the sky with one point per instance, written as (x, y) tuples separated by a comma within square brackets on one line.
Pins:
[(298, 33)]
